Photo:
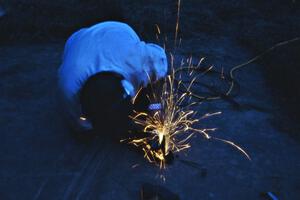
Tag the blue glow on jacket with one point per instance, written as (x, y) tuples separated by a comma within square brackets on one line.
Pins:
[(107, 46)]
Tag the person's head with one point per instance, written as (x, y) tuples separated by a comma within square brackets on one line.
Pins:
[(103, 103), (156, 62)]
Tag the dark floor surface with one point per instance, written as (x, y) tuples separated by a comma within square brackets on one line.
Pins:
[(40, 159)]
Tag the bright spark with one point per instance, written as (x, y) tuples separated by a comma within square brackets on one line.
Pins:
[(174, 125)]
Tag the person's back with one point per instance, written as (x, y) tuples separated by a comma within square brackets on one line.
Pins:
[(110, 51)]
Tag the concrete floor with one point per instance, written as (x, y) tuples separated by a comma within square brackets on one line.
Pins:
[(41, 159)]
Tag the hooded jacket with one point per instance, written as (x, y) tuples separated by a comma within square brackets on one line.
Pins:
[(106, 47)]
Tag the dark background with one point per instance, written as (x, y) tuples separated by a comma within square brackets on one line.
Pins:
[(256, 25), (32, 34)]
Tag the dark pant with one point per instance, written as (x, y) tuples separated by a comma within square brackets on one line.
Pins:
[(103, 103)]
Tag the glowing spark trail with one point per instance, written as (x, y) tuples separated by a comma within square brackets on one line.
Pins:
[(170, 128), (173, 126)]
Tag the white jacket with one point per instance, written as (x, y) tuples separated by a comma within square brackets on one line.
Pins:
[(107, 46)]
